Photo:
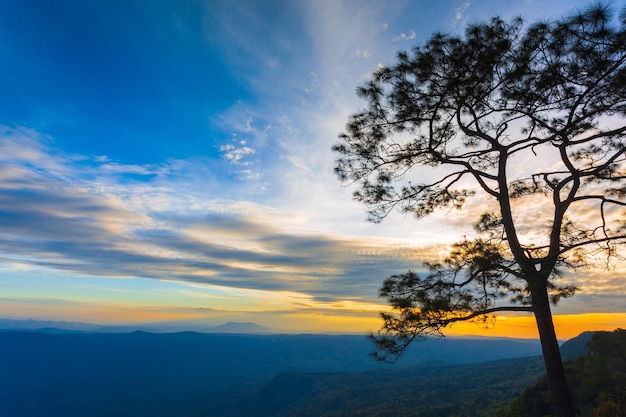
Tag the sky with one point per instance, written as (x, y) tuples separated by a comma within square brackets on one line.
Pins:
[(170, 161)]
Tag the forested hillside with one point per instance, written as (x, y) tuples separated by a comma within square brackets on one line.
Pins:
[(597, 381), (208, 375), (472, 390), (443, 391), (170, 375)]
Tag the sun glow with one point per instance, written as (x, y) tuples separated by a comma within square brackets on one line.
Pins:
[(567, 326)]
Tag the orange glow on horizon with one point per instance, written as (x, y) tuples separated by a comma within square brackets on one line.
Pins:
[(567, 326), (305, 320)]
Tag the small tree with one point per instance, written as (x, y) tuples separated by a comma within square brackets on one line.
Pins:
[(469, 109)]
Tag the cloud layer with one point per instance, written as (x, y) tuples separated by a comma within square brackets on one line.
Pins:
[(71, 214)]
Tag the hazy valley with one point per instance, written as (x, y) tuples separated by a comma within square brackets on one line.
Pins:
[(60, 372)]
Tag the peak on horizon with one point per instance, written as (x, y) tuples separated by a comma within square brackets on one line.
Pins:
[(240, 327)]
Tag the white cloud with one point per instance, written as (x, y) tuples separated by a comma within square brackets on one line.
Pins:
[(362, 53), (249, 127), (405, 37), (459, 15), (235, 153), (114, 167), (87, 222), (379, 67)]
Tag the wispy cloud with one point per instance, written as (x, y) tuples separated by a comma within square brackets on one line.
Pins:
[(405, 37), (66, 224), (460, 12), (363, 53)]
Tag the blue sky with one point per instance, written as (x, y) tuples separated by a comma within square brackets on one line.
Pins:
[(170, 160)]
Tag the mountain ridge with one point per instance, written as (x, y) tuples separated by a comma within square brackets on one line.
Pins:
[(50, 326), (141, 374)]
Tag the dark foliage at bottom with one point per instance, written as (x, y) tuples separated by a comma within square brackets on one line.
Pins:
[(597, 381), (444, 391)]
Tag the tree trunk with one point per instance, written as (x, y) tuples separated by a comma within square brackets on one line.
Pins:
[(561, 396)]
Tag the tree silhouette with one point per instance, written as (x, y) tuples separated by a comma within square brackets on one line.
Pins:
[(528, 122)]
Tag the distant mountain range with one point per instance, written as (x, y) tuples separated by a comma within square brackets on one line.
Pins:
[(76, 369), (47, 326)]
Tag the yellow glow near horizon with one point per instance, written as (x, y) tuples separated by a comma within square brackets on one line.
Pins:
[(315, 319), (567, 326), (524, 327)]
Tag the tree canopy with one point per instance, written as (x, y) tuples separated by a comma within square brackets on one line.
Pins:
[(527, 121)]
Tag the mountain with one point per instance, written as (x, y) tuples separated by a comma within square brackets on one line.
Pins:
[(597, 380), (483, 389), (576, 346), (48, 326), (143, 374), (241, 328), (444, 391)]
